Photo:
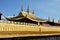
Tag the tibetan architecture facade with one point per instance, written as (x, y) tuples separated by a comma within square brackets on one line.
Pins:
[(28, 17), (27, 24)]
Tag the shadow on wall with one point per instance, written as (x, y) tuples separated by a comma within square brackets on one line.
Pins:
[(55, 37)]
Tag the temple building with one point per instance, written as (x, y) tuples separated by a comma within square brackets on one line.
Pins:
[(28, 17)]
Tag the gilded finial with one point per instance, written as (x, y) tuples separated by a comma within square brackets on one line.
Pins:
[(53, 20), (48, 18), (33, 12), (22, 8), (28, 9), (59, 21)]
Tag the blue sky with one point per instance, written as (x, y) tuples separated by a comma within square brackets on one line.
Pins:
[(43, 8)]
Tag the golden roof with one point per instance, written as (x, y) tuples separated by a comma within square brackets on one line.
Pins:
[(30, 16)]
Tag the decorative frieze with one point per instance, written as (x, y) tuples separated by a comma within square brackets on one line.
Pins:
[(17, 23)]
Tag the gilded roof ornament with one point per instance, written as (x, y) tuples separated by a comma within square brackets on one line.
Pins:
[(28, 9), (22, 8), (53, 20), (48, 18), (33, 12)]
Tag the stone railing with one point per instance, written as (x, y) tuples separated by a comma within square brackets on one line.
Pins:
[(17, 23)]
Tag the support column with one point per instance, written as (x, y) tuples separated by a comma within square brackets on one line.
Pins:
[(38, 23)]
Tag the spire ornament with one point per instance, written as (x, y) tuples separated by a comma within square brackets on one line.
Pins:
[(53, 20), (49, 19), (28, 10), (33, 12), (22, 9)]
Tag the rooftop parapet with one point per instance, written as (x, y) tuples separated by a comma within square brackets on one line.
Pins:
[(17, 23)]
